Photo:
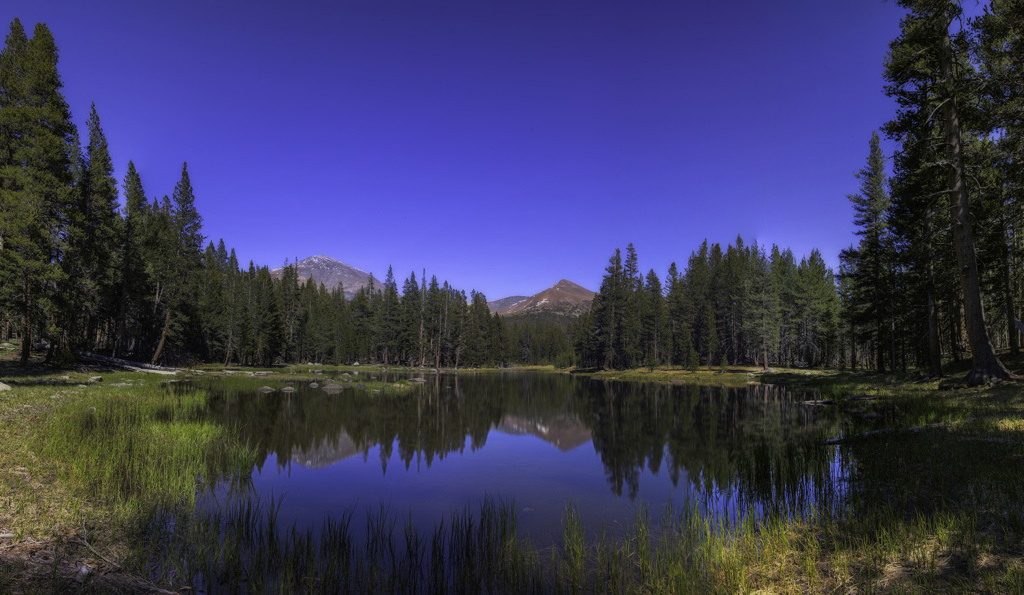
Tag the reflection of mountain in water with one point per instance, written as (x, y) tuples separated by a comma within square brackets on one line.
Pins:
[(327, 452), (759, 439), (563, 432)]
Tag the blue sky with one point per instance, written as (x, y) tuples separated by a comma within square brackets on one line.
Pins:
[(501, 144)]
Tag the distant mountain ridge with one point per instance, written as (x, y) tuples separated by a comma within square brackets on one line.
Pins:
[(505, 303), (329, 271), (564, 298)]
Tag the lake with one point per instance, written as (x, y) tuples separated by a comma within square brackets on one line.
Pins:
[(546, 440)]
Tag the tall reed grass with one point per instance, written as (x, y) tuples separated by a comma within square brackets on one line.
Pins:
[(137, 448)]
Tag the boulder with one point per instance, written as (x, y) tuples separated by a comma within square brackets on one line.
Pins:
[(288, 389), (96, 379), (314, 385), (265, 389), (4, 387)]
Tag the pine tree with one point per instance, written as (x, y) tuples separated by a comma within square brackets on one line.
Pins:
[(181, 263), (631, 349), (36, 176), (698, 292), (735, 273), (233, 302), (291, 308), (998, 50), (657, 333), (782, 276), (678, 310), (99, 201), (211, 303), (870, 288), (478, 331), (762, 320), (926, 71), (388, 321), (131, 307), (412, 311), (608, 311)]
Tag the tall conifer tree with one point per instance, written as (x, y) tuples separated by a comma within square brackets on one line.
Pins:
[(926, 71), (36, 176)]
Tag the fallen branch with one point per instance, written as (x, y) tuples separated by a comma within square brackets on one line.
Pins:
[(125, 364)]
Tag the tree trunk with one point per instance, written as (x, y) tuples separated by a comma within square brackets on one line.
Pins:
[(853, 349), (227, 354), (987, 366), (892, 324), (879, 318), (163, 338), (934, 348), (1011, 327), (957, 333), (26, 325)]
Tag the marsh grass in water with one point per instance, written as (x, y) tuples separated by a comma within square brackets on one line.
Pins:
[(139, 447), (684, 550)]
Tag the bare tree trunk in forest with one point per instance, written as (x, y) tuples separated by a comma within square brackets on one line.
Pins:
[(853, 349), (227, 354), (1011, 327), (987, 366), (879, 322), (118, 336), (26, 325), (934, 348), (163, 337), (892, 338), (423, 306), (956, 333)]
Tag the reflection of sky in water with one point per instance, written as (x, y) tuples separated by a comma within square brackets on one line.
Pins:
[(538, 437), (542, 479)]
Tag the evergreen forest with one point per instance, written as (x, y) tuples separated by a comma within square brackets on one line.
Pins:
[(89, 263)]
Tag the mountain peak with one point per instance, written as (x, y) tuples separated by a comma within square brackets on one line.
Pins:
[(564, 297), (329, 271), (565, 284)]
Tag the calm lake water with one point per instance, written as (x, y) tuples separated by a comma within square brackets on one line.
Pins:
[(545, 440)]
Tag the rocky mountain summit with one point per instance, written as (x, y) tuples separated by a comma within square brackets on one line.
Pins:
[(505, 303), (330, 272), (563, 298)]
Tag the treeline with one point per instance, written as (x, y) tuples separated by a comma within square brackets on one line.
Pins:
[(252, 318), (78, 273), (743, 305), (937, 272)]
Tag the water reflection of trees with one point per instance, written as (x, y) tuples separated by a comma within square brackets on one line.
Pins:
[(758, 442)]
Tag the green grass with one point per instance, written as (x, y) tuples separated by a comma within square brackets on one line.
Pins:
[(732, 376), (139, 446)]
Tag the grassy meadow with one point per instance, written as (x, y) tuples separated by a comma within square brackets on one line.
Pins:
[(105, 487)]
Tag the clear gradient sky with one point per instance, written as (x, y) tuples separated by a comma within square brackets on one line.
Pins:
[(501, 144)]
